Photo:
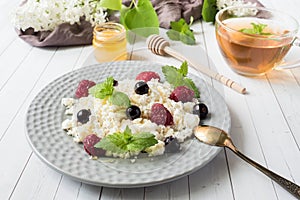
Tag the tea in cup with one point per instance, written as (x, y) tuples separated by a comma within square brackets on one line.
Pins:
[(254, 40)]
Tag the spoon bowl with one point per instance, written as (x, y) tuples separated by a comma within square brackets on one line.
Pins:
[(217, 137)]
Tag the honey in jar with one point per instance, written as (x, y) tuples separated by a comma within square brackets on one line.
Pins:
[(109, 42)]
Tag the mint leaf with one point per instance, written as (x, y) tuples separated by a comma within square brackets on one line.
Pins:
[(114, 143), (104, 89), (126, 142), (209, 10), (183, 68), (173, 35), (256, 29), (180, 30), (190, 84), (142, 15), (141, 141), (111, 4), (117, 142), (177, 77), (120, 99), (172, 75)]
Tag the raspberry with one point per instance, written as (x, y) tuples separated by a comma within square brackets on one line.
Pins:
[(88, 144), (161, 115), (83, 88), (147, 76), (183, 94)]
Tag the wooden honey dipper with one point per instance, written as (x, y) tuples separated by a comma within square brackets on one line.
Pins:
[(160, 46)]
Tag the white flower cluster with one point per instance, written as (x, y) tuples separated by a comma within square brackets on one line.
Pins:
[(44, 15), (226, 3), (241, 11)]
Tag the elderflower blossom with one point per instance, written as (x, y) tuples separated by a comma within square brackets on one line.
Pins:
[(45, 15), (241, 11)]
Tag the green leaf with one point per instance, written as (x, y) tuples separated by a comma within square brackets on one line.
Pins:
[(142, 15), (256, 29), (180, 30), (172, 75), (127, 131), (177, 26), (113, 143), (209, 10), (111, 4), (104, 89), (190, 84), (173, 35), (120, 99), (123, 13), (141, 141), (177, 77), (126, 142), (183, 68), (186, 39)]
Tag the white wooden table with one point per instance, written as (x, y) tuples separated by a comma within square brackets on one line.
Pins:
[(265, 126)]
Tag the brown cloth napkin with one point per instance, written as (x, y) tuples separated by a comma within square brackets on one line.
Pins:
[(81, 34), (63, 35)]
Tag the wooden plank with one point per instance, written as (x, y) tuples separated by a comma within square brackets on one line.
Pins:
[(40, 178), (11, 60), (32, 86), (67, 189), (14, 154), (126, 194), (89, 192), (212, 181), (178, 189)]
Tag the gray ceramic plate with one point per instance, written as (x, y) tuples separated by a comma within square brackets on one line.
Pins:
[(54, 147)]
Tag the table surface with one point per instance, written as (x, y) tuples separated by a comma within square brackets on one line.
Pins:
[(265, 124)]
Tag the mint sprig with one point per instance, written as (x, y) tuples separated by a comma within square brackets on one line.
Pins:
[(177, 77), (257, 29), (126, 142), (106, 90), (181, 31)]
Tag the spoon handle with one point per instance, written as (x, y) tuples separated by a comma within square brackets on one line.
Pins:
[(291, 187)]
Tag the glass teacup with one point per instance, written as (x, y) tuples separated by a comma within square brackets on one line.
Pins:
[(254, 40)]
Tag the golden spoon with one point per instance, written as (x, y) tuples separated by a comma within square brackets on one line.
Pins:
[(217, 137)]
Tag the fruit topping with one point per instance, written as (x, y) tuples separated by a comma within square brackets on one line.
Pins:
[(88, 144), (161, 115), (115, 83), (83, 88), (147, 76), (171, 144), (141, 88), (83, 116), (183, 94), (133, 112), (201, 110)]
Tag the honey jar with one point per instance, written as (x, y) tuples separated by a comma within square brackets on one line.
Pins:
[(109, 42)]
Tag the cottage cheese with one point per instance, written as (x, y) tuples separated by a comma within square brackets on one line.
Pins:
[(107, 119)]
